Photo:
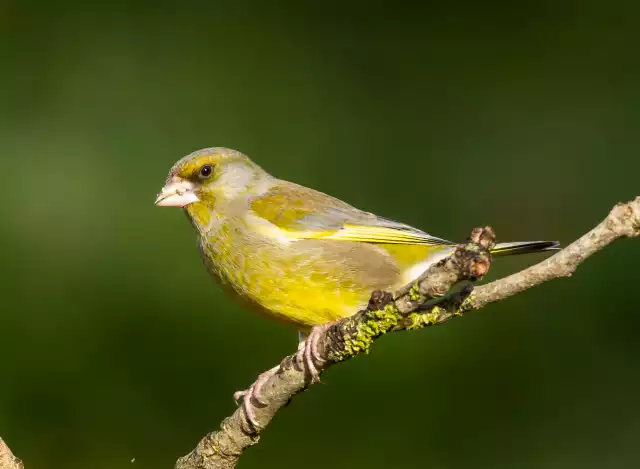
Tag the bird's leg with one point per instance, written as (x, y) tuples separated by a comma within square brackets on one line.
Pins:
[(254, 394), (308, 357), (302, 340)]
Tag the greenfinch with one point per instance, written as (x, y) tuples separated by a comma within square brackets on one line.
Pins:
[(295, 253)]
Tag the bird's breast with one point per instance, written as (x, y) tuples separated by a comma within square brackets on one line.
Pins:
[(305, 282)]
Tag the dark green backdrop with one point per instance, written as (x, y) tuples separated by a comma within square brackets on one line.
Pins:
[(113, 339)]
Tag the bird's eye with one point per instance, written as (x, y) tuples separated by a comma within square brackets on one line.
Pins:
[(205, 171)]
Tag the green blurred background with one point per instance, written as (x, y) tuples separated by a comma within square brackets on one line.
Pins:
[(523, 115)]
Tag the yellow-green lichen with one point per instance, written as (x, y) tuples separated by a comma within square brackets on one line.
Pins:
[(467, 305), (420, 320), (365, 330), (414, 293)]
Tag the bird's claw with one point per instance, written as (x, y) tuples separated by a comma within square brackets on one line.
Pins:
[(308, 358), (253, 396)]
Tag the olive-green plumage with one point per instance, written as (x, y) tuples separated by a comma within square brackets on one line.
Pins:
[(290, 251)]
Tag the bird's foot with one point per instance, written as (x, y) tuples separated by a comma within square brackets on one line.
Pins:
[(308, 358), (253, 396)]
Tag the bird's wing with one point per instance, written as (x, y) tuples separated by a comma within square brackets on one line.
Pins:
[(299, 212)]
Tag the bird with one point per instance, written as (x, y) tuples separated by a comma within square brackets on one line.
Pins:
[(295, 253)]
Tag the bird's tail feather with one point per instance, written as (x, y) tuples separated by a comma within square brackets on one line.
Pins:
[(523, 247)]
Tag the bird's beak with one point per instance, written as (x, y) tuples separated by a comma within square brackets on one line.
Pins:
[(177, 193)]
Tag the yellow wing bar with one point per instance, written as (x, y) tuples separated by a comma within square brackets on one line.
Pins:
[(382, 234)]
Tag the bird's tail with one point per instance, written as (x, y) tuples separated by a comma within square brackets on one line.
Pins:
[(524, 247)]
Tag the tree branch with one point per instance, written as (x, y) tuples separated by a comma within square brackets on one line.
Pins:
[(622, 222), (7, 459), (422, 303)]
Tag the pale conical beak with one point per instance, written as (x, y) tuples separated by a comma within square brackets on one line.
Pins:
[(177, 193)]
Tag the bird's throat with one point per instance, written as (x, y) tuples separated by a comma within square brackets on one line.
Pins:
[(200, 215)]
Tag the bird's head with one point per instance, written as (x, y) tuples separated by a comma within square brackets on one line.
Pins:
[(206, 175), (206, 178)]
